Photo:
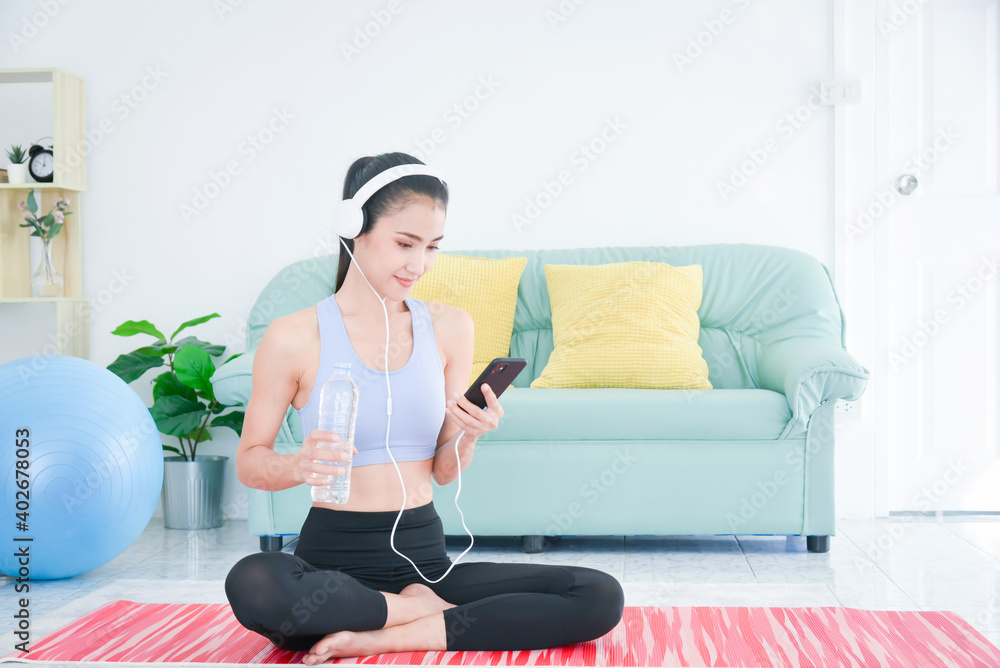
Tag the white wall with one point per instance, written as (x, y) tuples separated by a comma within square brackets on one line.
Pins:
[(174, 91)]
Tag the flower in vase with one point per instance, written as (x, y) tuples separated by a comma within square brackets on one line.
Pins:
[(47, 226)]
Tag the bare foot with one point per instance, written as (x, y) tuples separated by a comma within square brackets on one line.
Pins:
[(366, 643), (424, 593), (341, 644)]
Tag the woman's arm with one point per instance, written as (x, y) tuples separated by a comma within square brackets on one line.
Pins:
[(275, 382), (461, 414), (457, 330), (445, 467)]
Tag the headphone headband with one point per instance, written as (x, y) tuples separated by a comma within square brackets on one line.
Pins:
[(348, 217)]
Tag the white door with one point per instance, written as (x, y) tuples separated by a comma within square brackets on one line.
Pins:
[(936, 136)]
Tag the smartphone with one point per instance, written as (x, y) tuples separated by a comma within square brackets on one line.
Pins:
[(498, 374)]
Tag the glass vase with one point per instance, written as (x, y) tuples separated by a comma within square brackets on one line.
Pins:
[(46, 281)]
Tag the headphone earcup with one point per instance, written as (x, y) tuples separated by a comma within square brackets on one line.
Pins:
[(348, 219)]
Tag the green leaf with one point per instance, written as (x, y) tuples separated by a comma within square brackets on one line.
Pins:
[(205, 435), (196, 321), (214, 350), (54, 230), (130, 327), (167, 384), (131, 365), (194, 367), (32, 204), (172, 448), (232, 357), (176, 415), (233, 420), (155, 350)]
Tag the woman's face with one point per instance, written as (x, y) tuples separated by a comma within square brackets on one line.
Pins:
[(403, 245)]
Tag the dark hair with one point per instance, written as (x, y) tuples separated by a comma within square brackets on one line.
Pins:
[(387, 199)]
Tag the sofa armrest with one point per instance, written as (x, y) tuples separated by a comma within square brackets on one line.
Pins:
[(810, 371), (233, 380)]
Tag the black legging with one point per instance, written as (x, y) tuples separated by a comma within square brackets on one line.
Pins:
[(343, 561)]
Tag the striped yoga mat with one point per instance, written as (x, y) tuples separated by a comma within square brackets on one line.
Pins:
[(820, 637)]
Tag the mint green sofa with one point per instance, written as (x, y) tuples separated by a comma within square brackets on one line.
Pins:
[(753, 455)]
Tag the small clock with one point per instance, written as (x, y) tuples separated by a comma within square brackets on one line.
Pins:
[(41, 163)]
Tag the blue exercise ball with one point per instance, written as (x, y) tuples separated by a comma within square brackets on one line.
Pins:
[(93, 460)]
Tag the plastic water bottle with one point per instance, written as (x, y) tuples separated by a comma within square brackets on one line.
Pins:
[(338, 411)]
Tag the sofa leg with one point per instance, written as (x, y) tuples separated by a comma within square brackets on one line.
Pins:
[(818, 543), (533, 544), (270, 543)]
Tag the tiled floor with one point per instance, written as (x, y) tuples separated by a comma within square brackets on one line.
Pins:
[(900, 563)]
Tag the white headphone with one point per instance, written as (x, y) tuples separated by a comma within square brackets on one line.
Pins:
[(348, 219), (348, 216)]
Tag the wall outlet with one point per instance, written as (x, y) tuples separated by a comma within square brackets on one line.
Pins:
[(852, 408), (840, 91)]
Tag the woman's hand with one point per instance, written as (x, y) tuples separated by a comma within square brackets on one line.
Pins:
[(310, 468), (476, 421)]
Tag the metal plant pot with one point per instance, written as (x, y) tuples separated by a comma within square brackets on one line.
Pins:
[(192, 491)]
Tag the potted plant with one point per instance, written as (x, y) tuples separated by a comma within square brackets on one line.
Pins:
[(17, 170), (184, 405), (46, 281)]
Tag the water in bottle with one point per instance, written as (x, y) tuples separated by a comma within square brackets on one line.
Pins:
[(338, 411)]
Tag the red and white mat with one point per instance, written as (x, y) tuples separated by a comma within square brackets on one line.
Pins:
[(122, 631)]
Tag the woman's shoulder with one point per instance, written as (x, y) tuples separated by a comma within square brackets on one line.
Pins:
[(451, 323), (295, 330), (444, 314)]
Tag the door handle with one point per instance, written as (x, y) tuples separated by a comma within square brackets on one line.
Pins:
[(905, 184)]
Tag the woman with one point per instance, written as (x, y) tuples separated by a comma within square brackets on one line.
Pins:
[(344, 591)]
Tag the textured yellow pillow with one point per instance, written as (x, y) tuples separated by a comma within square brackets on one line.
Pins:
[(486, 289), (626, 324)]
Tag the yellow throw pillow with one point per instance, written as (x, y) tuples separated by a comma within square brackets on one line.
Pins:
[(486, 289), (626, 324)]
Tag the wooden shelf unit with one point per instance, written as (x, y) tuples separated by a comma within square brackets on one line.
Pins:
[(69, 150)]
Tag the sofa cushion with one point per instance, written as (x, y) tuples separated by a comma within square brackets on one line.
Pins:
[(625, 324), (753, 295), (615, 413), (486, 289)]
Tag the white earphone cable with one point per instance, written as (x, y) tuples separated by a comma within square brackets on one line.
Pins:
[(458, 460)]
